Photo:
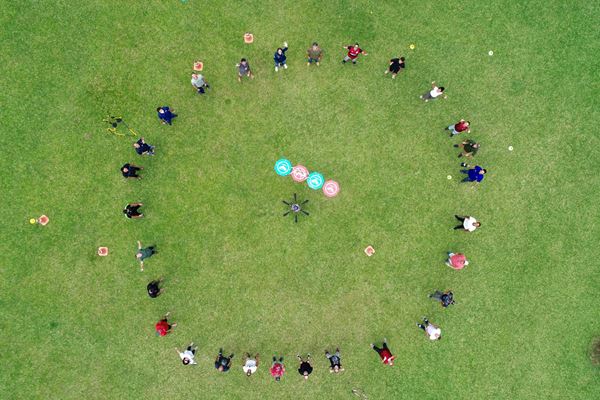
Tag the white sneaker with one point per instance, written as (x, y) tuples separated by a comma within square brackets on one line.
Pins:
[(276, 69), (285, 66)]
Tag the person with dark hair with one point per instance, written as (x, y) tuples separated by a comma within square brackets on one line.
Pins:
[(384, 353), (473, 174), (166, 115), (445, 298), (305, 368), (250, 365), (223, 363), (396, 65), (143, 148), (469, 224), (314, 54), (277, 368), (280, 58), (187, 356), (130, 171), (163, 328), (459, 127), (132, 210), (335, 361), (154, 289), (244, 70), (143, 253), (433, 332), (199, 84), (434, 93), (353, 52), (469, 147)]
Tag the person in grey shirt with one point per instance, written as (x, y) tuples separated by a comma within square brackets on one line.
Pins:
[(199, 84), (244, 70)]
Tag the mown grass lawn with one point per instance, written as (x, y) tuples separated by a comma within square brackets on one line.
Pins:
[(237, 274)]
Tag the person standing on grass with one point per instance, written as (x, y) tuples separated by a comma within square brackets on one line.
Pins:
[(445, 298), (473, 174), (166, 115), (469, 148), (459, 127), (434, 93), (187, 356), (335, 361), (143, 148), (199, 84), (250, 365), (280, 58), (130, 171), (244, 70), (384, 353), (396, 65), (456, 261), (222, 363), (353, 52), (469, 224), (163, 328), (305, 368), (143, 253), (132, 211), (432, 331), (154, 289), (314, 54), (277, 368)]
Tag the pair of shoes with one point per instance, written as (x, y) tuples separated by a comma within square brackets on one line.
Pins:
[(285, 66), (462, 164)]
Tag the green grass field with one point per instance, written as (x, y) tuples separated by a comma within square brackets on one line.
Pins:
[(237, 274)]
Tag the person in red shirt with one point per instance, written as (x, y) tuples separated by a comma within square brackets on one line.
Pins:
[(163, 327), (459, 127), (457, 261), (384, 353), (353, 53), (277, 368)]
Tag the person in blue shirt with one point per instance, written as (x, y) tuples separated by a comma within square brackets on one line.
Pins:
[(280, 58), (166, 115), (143, 148), (473, 174)]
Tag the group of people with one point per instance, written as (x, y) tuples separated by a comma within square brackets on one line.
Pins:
[(250, 364)]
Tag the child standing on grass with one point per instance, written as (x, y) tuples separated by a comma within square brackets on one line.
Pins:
[(314, 54), (244, 70), (280, 58), (396, 65)]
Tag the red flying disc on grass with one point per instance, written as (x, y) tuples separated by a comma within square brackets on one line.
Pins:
[(248, 38), (43, 220), (198, 65), (299, 173), (102, 251)]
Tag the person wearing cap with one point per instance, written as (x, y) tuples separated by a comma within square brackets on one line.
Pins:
[(187, 356), (433, 332), (277, 368), (384, 353), (223, 363), (446, 298), (468, 224), (456, 261), (335, 361), (250, 364), (199, 84), (305, 368), (314, 54)]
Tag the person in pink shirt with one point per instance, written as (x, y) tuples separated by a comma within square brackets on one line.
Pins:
[(277, 368), (456, 260)]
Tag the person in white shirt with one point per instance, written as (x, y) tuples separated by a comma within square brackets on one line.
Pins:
[(250, 364), (434, 93), (469, 224), (432, 331), (187, 356)]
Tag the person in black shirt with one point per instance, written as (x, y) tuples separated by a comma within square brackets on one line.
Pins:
[(335, 360), (445, 298), (223, 363), (396, 65), (305, 368), (143, 148), (130, 171), (154, 289), (131, 210)]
